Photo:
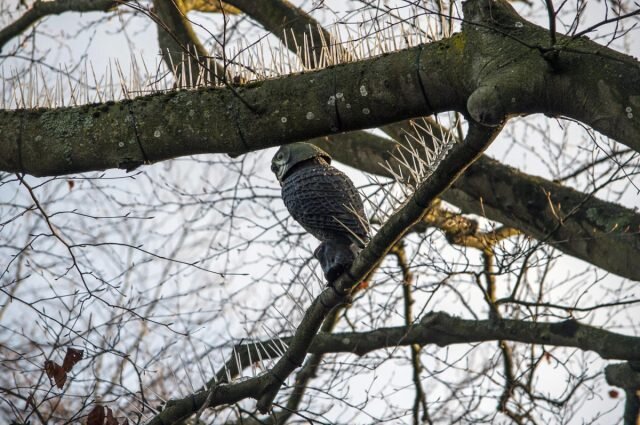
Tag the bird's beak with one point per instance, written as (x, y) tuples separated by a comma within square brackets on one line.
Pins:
[(276, 169)]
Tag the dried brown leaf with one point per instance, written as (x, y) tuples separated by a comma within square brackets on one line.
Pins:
[(110, 419), (56, 372), (96, 416), (72, 357), (30, 401)]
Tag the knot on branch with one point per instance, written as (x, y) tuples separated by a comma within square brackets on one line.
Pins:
[(568, 328), (434, 318), (485, 106), (622, 375), (489, 11)]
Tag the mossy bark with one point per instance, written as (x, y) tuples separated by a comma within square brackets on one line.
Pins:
[(232, 120)]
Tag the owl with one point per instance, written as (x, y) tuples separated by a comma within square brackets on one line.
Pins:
[(325, 203)]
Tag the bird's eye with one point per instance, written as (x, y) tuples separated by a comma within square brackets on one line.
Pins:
[(280, 156)]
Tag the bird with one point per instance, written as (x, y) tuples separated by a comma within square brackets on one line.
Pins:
[(325, 202)]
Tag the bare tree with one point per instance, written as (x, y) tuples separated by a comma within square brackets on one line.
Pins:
[(150, 272)]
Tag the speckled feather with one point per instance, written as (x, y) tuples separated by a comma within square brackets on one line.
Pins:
[(320, 198)]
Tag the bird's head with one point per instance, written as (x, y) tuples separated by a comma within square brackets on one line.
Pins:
[(290, 155)]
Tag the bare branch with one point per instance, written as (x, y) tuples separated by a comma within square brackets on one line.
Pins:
[(442, 329), (40, 9)]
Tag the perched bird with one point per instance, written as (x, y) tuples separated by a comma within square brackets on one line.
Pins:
[(325, 202)]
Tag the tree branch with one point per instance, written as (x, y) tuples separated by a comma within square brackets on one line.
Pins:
[(180, 47), (442, 329), (420, 400), (454, 164), (280, 17), (40, 9), (605, 94), (296, 107), (440, 76), (624, 227), (627, 377)]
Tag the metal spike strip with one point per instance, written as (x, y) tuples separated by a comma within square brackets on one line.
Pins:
[(362, 220), (203, 375), (144, 413), (314, 278), (344, 44), (177, 380), (213, 370), (236, 357), (226, 369), (188, 375), (308, 284), (20, 89), (261, 360), (123, 88), (377, 208), (251, 363), (296, 303), (272, 338), (290, 325), (262, 366), (283, 345)]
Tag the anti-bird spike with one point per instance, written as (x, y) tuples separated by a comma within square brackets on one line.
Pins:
[(113, 85)]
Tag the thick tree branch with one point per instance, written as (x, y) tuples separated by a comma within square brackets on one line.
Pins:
[(158, 127), (442, 329), (579, 79), (461, 230), (210, 6), (494, 69), (40, 9), (627, 377), (602, 233)]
